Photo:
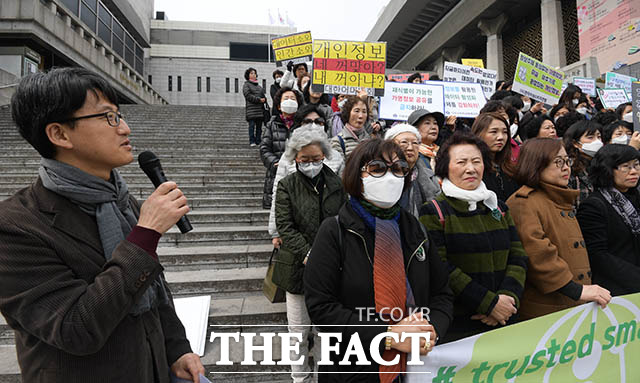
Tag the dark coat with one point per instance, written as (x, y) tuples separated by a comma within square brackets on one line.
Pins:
[(339, 279), (299, 213), (501, 184), (274, 141), (614, 251), (273, 90), (69, 308), (254, 108)]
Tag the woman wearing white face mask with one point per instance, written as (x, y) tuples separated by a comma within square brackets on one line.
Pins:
[(470, 228), (621, 132), (275, 136), (582, 141), (624, 112), (303, 200), (373, 267)]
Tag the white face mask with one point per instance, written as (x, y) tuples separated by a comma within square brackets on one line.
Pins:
[(383, 192), (289, 106), (624, 139), (520, 115), (526, 107), (582, 110), (514, 130), (278, 80), (575, 101), (628, 117), (591, 148), (310, 169), (341, 103)]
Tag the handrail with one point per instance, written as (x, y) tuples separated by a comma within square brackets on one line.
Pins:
[(8, 86)]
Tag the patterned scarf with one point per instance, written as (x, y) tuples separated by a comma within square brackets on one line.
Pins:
[(623, 207), (391, 293), (429, 151), (288, 121)]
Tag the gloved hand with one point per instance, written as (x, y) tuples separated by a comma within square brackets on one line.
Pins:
[(290, 66)]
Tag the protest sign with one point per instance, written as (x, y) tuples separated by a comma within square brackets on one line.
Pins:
[(462, 99), (588, 85), (296, 47), (537, 80), (611, 98), (580, 344), (615, 80), (401, 99), (403, 77), (635, 101), (478, 63), (345, 67), (462, 73)]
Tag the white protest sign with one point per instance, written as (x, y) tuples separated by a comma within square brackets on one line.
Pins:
[(611, 98), (462, 99), (588, 85), (463, 73), (401, 99), (615, 80), (193, 312)]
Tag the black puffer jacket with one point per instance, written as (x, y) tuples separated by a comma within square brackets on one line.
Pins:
[(252, 94), (274, 140)]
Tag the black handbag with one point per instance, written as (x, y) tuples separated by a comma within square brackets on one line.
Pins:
[(273, 293), (266, 113)]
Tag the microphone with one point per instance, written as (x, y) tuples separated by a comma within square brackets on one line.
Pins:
[(150, 165)]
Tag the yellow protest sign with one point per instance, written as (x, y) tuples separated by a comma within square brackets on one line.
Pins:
[(347, 66), (296, 47), (478, 63)]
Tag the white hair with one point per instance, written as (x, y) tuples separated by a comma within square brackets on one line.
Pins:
[(309, 134)]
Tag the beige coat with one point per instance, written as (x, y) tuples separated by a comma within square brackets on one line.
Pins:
[(551, 237)]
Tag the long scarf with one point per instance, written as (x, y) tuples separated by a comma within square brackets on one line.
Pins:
[(358, 134), (623, 207), (109, 203), (391, 287), (480, 194), (428, 150)]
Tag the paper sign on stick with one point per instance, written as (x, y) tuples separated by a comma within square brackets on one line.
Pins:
[(537, 80), (296, 48), (401, 99)]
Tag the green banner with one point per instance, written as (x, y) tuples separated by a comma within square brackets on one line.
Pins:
[(582, 344), (537, 80)]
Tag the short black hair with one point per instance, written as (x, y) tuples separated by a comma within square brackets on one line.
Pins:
[(414, 76), (607, 131), (572, 135), (493, 106), (499, 83), (277, 72), (501, 94), (606, 159), (302, 112), (277, 99), (621, 109), (563, 123), (295, 67), (248, 71), (458, 138), (557, 107), (605, 117), (532, 128), (54, 96), (514, 101), (352, 101)]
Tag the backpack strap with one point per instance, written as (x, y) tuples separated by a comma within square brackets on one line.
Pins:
[(343, 146), (440, 215)]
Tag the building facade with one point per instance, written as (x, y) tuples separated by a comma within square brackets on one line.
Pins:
[(196, 63)]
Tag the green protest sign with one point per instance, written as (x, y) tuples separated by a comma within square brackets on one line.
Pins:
[(580, 344), (537, 80)]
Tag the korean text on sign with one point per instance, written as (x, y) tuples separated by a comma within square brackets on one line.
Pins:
[(401, 99), (344, 67), (611, 98), (537, 80), (616, 80), (462, 99), (487, 78), (297, 48)]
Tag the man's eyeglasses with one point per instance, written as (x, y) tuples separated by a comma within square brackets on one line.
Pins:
[(113, 118), (317, 121), (626, 168), (560, 162), (378, 168)]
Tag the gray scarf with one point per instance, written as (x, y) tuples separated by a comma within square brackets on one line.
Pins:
[(623, 207), (109, 203)]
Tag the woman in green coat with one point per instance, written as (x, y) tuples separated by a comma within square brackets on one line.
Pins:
[(303, 200)]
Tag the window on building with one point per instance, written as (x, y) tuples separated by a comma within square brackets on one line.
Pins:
[(170, 83), (199, 84), (249, 52), (88, 13), (228, 87), (236, 85), (73, 5), (118, 38), (104, 24), (179, 83), (150, 78), (130, 50), (208, 84)]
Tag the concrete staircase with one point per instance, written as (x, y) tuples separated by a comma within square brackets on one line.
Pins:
[(205, 150)]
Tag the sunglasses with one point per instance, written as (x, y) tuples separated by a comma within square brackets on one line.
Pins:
[(317, 121), (378, 168)]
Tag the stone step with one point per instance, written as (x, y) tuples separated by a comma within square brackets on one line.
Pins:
[(204, 178), (254, 190), (221, 217), (223, 283), (209, 160), (214, 257), (216, 235), (169, 170)]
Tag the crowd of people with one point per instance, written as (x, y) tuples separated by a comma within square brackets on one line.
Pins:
[(523, 211)]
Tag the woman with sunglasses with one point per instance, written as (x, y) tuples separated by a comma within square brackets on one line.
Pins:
[(321, 101), (306, 116), (372, 268), (610, 219), (475, 235), (559, 274)]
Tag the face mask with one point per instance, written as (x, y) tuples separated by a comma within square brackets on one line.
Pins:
[(383, 192), (526, 107), (575, 101), (624, 139), (341, 103), (520, 115), (278, 80), (313, 126), (591, 148), (310, 169), (582, 110), (289, 106), (555, 120), (514, 130), (628, 117)]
